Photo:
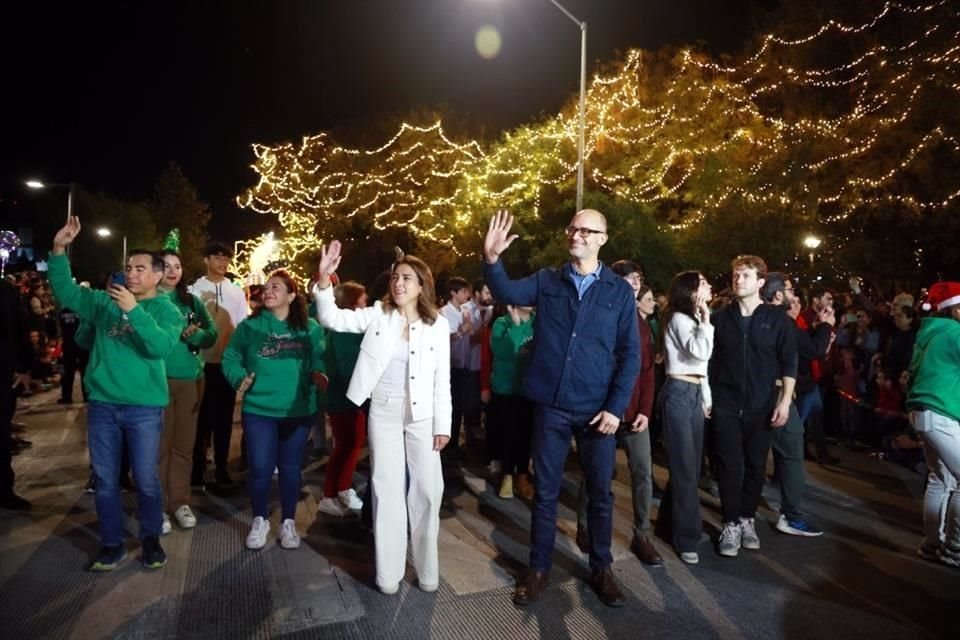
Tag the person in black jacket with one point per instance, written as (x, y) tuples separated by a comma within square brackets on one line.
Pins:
[(15, 356), (754, 347), (788, 442)]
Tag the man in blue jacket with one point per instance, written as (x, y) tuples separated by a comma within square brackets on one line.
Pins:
[(585, 360)]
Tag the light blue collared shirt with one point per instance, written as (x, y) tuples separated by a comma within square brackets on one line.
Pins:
[(582, 283)]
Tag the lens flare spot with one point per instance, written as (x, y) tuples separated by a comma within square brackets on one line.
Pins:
[(487, 42)]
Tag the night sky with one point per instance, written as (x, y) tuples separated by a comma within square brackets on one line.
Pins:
[(107, 93)]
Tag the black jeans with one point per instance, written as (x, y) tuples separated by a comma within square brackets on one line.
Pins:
[(681, 414), (74, 359), (465, 397), (741, 445), (216, 418), (510, 431)]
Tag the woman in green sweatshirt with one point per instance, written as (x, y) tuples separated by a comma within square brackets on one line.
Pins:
[(185, 380), (273, 359), (934, 404)]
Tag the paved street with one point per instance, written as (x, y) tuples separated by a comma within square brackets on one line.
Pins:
[(860, 580)]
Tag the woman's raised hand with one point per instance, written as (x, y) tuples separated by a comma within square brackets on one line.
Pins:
[(329, 262)]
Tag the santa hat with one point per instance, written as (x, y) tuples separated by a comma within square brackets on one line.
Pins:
[(943, 295)]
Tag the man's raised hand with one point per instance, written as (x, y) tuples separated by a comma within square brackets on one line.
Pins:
[(66, 235), (498, 236)]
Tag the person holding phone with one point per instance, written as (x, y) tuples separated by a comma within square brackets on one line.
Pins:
[(585, 360), (136, 329), (185, 380), (404, 369), (685, 401)]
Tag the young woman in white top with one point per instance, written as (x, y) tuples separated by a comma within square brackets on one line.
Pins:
[(684, 404), (404, 368)]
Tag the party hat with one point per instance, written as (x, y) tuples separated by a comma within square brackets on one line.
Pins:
[(172, 241)]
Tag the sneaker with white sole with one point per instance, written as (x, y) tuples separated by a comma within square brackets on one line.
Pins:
[(184, 517), (690, 557), (165, 527), (797, 527), (288, 535), (257, 538), (748, 534), (389, 589), (730, 539), (332, 507), (350, 499)]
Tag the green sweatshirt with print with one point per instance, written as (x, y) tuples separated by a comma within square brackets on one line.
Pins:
[(129, 349), (935, 368), (184, 361), (283, 360)]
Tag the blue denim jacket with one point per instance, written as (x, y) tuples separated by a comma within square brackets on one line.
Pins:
[(586, 353)]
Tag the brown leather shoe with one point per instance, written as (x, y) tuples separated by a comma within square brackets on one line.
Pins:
[(522, 486), (529, 587), (583, 540), (606, 587), (645, 550)]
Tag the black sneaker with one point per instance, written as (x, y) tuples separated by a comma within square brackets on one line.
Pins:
[(109, 558), (224, 481), (154, 556), (91, 486)]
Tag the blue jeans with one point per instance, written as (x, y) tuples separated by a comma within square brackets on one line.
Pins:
[(552, 430), (275, 442), (107, 426)]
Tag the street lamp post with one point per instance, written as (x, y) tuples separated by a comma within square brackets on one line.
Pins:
[(811, 242), (104, 232), (583, 99)]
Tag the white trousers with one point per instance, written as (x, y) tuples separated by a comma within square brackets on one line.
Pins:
[(399, 445)]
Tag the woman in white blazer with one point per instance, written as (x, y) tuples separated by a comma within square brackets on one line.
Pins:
[(404, 369)]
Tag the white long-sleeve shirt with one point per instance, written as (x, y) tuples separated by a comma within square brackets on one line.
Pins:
[(227, 305), (688, 347)]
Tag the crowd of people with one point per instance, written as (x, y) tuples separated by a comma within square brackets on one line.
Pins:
[(509, 371)]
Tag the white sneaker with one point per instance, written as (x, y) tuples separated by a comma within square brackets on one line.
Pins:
[(185, 518), (331, 506), (690, 557), (748, 534), (389, 589), (730, 539), (258, 533), (166, 527), (350, 499), (288, 535)]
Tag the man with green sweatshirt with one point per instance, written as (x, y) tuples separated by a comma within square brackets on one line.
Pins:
[(126, 387), (934, 404)]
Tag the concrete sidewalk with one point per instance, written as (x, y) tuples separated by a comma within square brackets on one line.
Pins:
[(860, 580)]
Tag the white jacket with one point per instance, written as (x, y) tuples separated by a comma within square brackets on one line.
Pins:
[(227, 304), (429, 368)]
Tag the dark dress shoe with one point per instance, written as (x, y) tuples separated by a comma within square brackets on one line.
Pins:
[(647, 553), (529, 587), (606, 587)]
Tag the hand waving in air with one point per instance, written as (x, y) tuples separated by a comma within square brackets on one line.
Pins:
[(498, 236), (329, 262), (66, 235)]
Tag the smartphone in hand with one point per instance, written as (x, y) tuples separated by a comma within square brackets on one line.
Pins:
[(118, 278)]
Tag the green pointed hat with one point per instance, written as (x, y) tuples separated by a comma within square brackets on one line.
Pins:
[(172, 241)]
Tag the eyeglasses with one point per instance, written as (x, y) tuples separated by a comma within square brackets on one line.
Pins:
[(584, 232)]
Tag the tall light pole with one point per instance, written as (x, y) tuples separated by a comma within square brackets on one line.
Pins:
[(583, 99), (104, 232), (811, 242), (69, 186)]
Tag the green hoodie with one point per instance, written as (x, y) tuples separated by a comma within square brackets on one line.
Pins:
[(184, 361), (283, 361), (127, 359), (510, 346), (935, 368)]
